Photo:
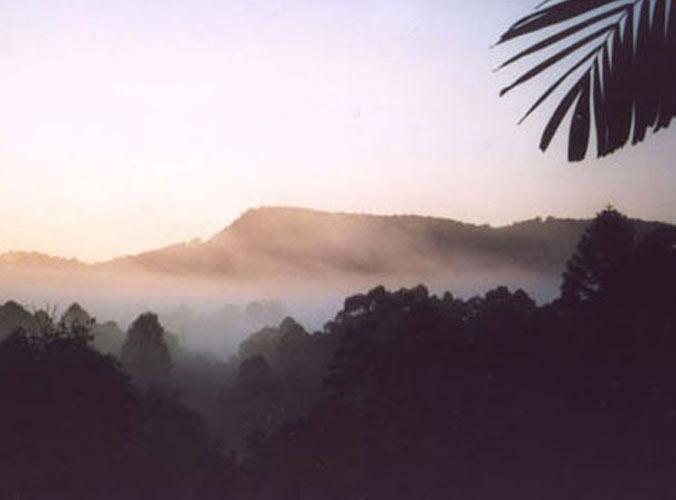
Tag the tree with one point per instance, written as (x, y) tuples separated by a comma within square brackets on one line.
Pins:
[(255, 375), (599, 272), (108, 338), (76, 315), (655, 278), (13, 316), (615, 60), (73, 426), (68, 409), (145, 354)]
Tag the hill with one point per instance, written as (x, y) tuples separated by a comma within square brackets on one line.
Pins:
[(274, 244), (275, 241)]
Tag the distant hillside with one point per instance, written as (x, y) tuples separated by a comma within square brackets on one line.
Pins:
[(36, 260), (294, 243), (274, 242)]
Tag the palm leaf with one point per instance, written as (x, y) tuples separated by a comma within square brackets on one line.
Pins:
[(620, 73)]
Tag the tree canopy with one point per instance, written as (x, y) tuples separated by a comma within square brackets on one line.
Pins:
[(403, 394), (145, 354), (73, 426)]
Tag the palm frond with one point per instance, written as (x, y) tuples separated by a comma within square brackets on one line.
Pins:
[(620, 73)]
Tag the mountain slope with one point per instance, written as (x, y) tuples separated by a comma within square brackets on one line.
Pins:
[(277, 243), (37, 261), (274, 242)]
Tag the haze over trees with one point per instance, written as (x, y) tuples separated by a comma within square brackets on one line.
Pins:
[(73, 425), (309, 249), (145, 353), (307, 355), (13, 316), (444, 397), (403, 394)]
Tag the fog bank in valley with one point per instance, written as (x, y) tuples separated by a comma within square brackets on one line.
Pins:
[(277, 262)]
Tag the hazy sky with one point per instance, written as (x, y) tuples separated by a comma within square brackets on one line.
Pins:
[(131, 124)]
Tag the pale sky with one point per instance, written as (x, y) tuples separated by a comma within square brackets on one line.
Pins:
[(131, 124)]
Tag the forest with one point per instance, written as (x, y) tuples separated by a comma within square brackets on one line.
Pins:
[(402, 395)]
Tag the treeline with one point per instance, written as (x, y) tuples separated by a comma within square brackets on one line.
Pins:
[(403, 395), (495, 397)]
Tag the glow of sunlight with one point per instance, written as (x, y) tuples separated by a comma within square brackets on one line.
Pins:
[(125, 126)]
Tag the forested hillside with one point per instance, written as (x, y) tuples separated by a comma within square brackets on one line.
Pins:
[(308, 246), (403, 394)]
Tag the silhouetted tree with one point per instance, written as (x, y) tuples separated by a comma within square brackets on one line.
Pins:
[(600, 270), (145, 354), (255, 376), (614, 59), (13, 316), (279, 379), (435, 397), (68, 409), (423, 396), (654, 281), (76, 315), (108, 338), (289, 350), (73, 426)]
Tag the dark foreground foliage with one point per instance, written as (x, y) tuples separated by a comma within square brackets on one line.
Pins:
[(613, 60), (495, 397), (404, 395), (73, 426)]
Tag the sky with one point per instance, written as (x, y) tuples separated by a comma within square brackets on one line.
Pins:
[(128, 125)]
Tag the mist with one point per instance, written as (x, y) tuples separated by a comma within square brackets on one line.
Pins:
[(214, 318), (277, 262)]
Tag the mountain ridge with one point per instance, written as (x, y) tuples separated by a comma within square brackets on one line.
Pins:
[(274, 242)]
